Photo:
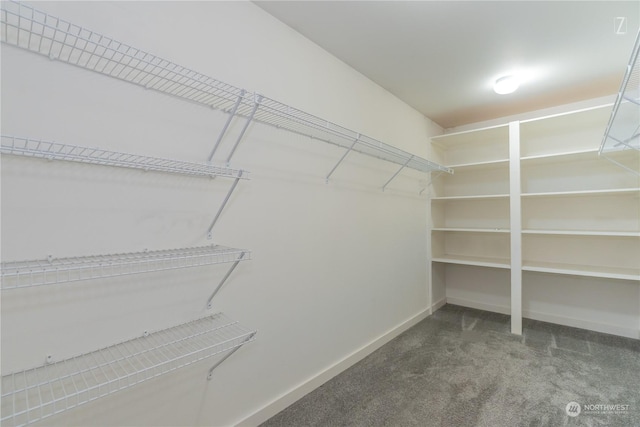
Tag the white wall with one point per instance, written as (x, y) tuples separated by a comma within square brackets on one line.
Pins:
[(334, 266)]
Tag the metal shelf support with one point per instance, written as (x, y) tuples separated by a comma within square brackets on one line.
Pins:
[(226, 125), (224, 203), (256, 104), (224, 279), (396, 174), (342, 158), (226, 356)]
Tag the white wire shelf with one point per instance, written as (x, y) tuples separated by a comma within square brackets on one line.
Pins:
[(39, 32), (23, 274), (38, 393), (56, 151), (623, 129)]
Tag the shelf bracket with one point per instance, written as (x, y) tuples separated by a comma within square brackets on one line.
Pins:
[(632, 100), (224, 279), (256, 104), (396, 174), (342, 158), (224, 203), (226, 125), (627, 168), (226, 356)]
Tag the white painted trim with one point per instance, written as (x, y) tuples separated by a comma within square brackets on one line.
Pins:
[(551, 318), (302, 389), (438, 305), (583, 324), (515, 214), (478, 305)]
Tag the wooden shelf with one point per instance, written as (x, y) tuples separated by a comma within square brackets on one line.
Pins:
[(634, 192), (473, 260), (480, 165), (561, 157), (473, 230), (585, 233), (478, 197), (583, 270)]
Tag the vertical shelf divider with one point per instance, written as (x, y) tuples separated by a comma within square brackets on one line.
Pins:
[(516, 228)]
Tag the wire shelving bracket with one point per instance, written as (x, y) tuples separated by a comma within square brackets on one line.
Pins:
[(39, 32), (38, 393), (226, 276), (623, 130), (51, 271)]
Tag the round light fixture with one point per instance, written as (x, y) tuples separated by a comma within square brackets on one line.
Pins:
[(506, 84)]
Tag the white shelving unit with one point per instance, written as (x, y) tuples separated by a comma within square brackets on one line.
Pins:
[(470, 231), (38, 393), (534, 197), (51, 271), (39, 32), (579, 213)]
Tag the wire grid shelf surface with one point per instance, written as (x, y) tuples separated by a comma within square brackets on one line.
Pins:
[(56, 151), (623, 129), (42, 33), (22, 274), (37, 393), (277, 114)]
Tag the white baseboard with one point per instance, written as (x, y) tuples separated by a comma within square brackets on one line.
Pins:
[(438, 305), (302, 389), (551, 318), (479, 305), (582, 324)]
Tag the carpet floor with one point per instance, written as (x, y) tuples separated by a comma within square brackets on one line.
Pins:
[(462, 367)]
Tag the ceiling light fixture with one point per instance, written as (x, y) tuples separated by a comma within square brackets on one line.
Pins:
[(506, 84)]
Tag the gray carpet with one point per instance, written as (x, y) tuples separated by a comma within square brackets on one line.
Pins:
[(462, 367)]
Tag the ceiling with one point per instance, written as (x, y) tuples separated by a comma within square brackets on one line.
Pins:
[(442, 57)]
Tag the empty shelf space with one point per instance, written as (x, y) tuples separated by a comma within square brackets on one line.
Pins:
[(22, 274), (473, 260), (583, 270), (37, 393), (55, 151), (39, 32), (561, 135)]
